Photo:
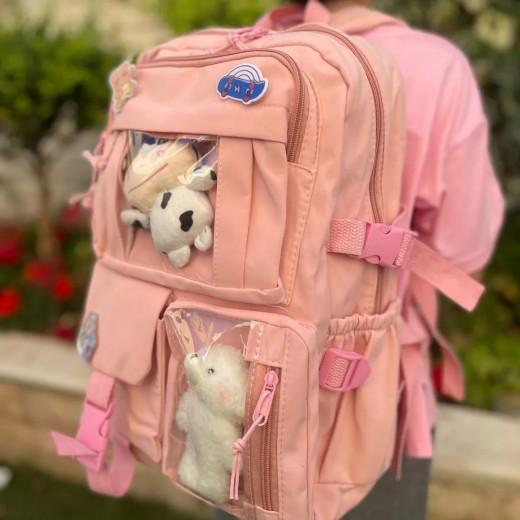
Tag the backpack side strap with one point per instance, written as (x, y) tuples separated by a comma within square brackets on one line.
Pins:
[(398, 248), (90, 446)]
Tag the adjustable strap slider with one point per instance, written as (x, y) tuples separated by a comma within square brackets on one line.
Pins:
[(341, 370)]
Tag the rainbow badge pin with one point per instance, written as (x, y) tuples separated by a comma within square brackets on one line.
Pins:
[(244, 83)]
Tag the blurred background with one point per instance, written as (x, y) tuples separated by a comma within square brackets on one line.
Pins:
[(56, 57)]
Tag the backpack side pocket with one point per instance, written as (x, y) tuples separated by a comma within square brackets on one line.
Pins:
[(357, 427)]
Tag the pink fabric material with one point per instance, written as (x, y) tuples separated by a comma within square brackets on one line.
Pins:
[(426, 263), (449, 185), (90, 446)]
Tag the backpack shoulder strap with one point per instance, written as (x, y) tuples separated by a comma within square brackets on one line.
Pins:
[(398, 248), (91, 444), (352, 19), (355, 19), (294, 14)]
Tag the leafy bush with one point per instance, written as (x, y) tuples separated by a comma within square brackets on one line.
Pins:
[(487, 340), (43, 74), (51, 83), (45, 295), (185, 15)]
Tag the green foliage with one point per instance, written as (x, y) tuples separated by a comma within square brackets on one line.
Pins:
[(488, 340), (45, 296), (33, 495), (43, 74), (187, 15)]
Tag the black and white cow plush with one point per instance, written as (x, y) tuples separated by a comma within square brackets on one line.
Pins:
[(179, 217)]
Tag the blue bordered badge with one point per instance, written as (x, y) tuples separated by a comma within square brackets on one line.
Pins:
[(244, 83), (87, 337)]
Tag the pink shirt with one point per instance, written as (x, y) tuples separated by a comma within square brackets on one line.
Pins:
[(449, 185)]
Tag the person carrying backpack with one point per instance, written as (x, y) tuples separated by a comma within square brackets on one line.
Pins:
[(274, 208), (451, 189)]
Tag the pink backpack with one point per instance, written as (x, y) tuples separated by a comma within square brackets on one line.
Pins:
[(243, 318)]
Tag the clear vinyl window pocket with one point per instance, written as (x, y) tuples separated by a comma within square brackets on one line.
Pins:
[(205, 214), (226, 404), (166, 184)]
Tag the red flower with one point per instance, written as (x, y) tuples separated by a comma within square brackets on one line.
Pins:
[(10, 252), (39, 273), (10, 302), (63, 287), (437, 377), (71, 215), (63, 332), (60, 234)]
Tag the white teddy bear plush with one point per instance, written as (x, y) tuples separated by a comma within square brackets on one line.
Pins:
[(211, 412)]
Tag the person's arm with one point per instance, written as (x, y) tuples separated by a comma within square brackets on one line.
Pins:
[(462, 215)]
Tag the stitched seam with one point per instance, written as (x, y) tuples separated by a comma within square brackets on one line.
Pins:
[(259, 341), (269, 362), (252, 369), (317, 126), (299, 234), (280, 448), (303, 221), (322, 56), (216, 223)]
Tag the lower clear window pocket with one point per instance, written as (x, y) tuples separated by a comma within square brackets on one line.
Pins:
[(232, 383)]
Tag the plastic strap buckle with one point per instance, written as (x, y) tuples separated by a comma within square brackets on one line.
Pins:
[(384, 244), (341, 370)]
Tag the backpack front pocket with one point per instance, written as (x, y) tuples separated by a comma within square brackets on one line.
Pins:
[(248, 224), (123, 337), (241, 408)]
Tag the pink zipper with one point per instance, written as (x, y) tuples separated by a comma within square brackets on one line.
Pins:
[(376, 176), (260, 416), (378, 104)]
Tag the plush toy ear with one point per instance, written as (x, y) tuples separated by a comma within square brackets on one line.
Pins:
[(180, 257), (135, 218), (204, 240), (202, 178)]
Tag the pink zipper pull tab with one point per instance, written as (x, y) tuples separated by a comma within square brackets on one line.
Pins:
[(260, 417), (265, 401)]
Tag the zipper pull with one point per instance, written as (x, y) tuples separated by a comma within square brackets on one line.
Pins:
[(265, 401), (260, 417), (240, 37)]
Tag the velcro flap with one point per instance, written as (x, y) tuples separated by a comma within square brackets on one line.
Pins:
[(126, 312)]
